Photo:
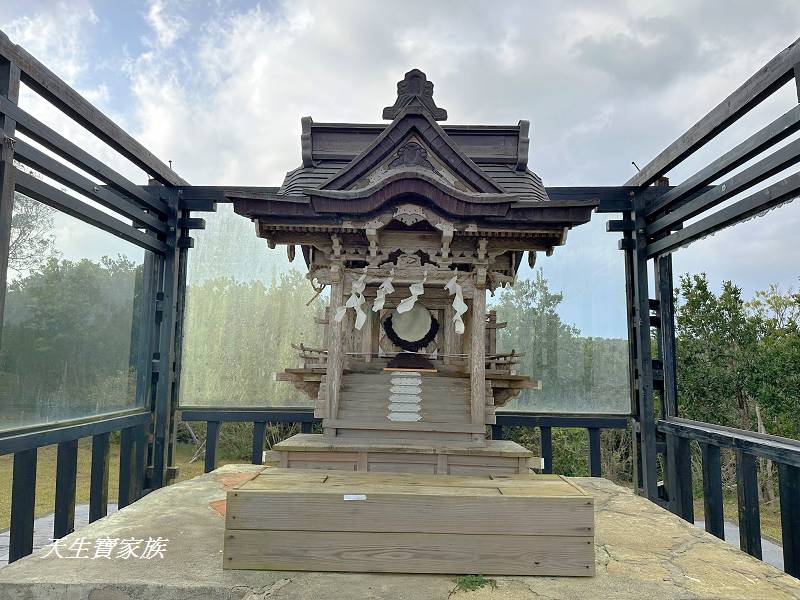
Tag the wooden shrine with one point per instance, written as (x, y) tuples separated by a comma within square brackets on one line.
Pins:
[(408, 225)]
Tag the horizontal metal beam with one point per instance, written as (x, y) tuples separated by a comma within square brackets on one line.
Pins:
[(612, 199), (102, 194), (619, 226), (292, 415), (54, 433), (780, 449), (777, 193), (521, 419), (779, 129), (55, 142), (47, 194), (768, 79), (761, 171), (53, 89)]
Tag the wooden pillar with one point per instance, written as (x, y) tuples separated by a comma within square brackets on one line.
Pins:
[(335, 349), (477, 361), (448, 335), (366, 332)]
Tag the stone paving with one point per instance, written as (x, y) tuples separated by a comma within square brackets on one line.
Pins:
[(641, 551)]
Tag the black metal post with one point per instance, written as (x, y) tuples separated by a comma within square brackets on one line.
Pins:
[(789, 482), (712, 490), (166, 299), (66, 476), (212, 434), (666, 307), (9, 88), (98, 486), (497, 432), (749, 511), (679, 467), (594, 451), (547, 448), (127, 467), (644, 365), (259, 435), (23, 503)]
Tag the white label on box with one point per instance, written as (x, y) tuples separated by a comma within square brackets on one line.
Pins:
[(355, 496)]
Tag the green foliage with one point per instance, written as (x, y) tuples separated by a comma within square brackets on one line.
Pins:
[(68, 335), (470, 583), (739, 360), (579, 374), (239, 334)]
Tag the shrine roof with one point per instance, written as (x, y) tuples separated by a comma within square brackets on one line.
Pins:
[(478, 171)]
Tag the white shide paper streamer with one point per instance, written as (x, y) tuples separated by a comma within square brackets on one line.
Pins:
[(355, 301), (459, 306)]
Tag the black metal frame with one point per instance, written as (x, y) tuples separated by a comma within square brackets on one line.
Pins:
[(153, 212), (654, 227)]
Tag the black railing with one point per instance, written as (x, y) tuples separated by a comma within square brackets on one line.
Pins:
[(593, 424), (25, 447), (748, 447), (213, 417)]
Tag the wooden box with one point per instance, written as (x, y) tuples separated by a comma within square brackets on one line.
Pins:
[(304, 520)]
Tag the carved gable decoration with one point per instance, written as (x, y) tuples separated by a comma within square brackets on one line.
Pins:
[(415, 90), (414, 142), (413, 154)]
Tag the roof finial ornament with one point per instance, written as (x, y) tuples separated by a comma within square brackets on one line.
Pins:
[(415, 89)]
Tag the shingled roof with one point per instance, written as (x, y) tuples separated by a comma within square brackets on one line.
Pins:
[(351, 168)]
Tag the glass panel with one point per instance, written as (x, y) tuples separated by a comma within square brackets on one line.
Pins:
[(70, 328), (567, 318), (245, 307), (738, 325)]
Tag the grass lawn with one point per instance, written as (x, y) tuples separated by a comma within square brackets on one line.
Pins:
[(770, 516), (46, 476)]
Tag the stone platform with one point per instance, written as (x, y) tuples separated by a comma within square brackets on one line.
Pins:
[(641, 551)]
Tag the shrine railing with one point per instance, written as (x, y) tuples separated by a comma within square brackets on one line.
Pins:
[(748, 446), (545, 423)]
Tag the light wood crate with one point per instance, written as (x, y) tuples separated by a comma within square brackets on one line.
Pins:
[(299, 520)]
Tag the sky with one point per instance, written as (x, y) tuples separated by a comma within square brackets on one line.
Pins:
[(218, 88)]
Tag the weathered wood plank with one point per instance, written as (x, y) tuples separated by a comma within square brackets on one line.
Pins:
[(777, 193), (421, 553), (762, 170), (445, 510), (53, 89), (104, 195), (761, 85), (77, 156), (46, 194), (779, 129)]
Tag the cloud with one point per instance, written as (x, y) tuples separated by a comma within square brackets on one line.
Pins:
[(168, 27)]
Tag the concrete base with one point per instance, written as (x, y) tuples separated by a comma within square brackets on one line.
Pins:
[(641, 551)]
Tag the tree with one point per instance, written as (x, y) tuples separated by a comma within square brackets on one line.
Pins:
[(717, 347), (32, 240)]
